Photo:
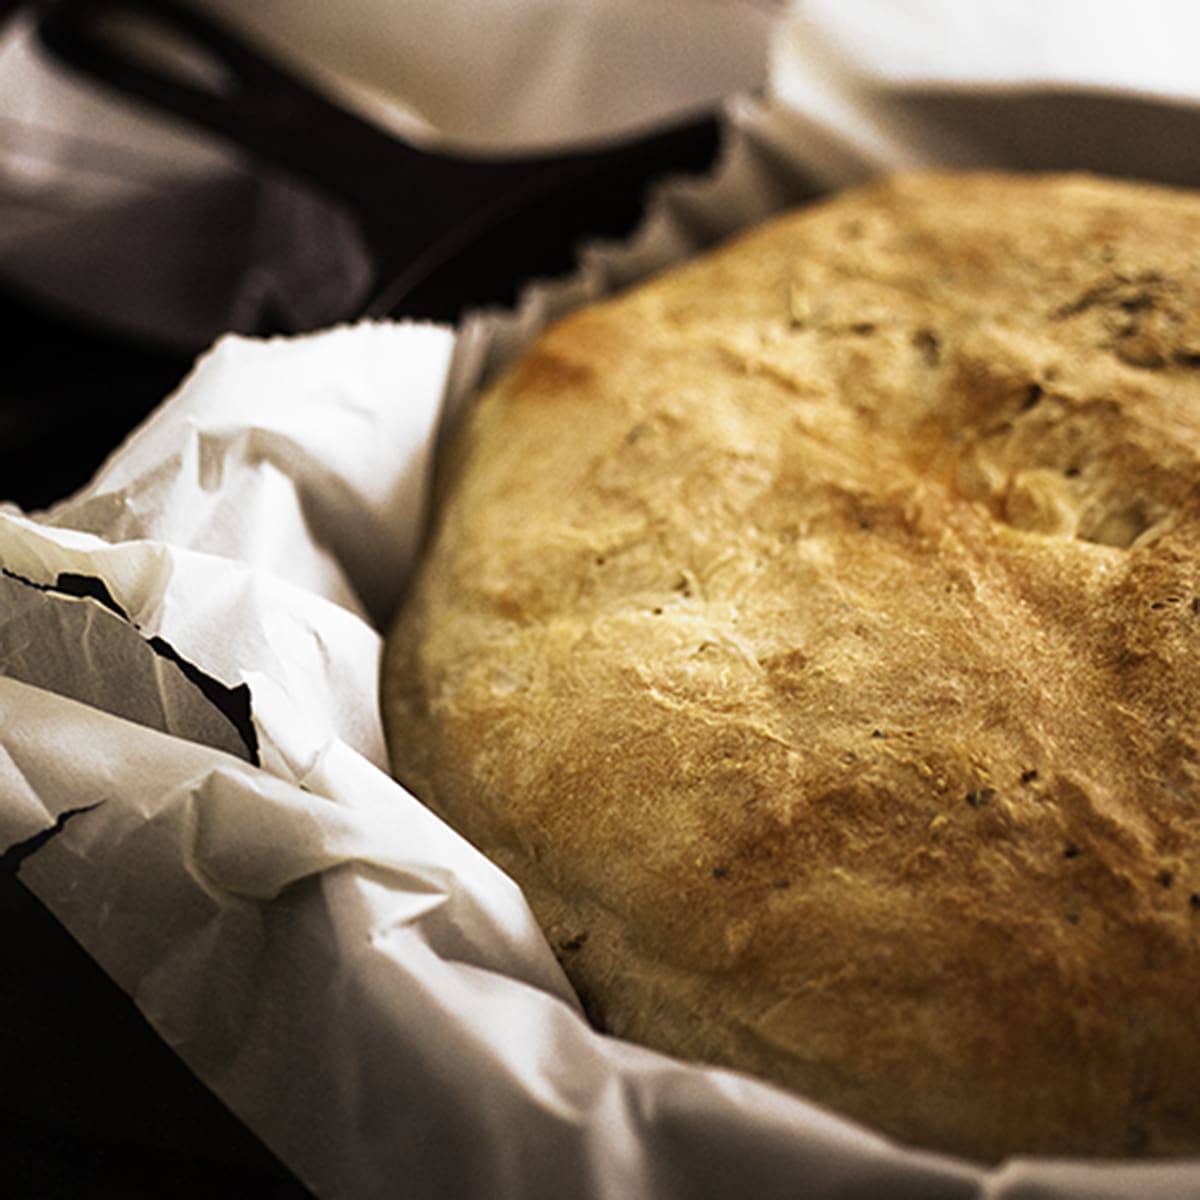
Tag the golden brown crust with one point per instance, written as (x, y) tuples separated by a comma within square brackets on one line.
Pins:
[(813, 634)]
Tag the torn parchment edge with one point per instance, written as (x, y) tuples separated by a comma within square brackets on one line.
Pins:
[(304, 664), (231, 703)]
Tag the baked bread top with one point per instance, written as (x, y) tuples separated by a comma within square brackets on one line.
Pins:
[(814, 633)]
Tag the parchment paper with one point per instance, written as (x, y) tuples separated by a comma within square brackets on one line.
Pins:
[(189, 652)]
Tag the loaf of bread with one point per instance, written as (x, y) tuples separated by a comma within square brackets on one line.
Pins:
[(814, 634)]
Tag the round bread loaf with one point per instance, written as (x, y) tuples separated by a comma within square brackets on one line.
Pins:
[(814, 634)]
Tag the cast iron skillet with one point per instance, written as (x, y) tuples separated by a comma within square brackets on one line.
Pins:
[(439, 230)]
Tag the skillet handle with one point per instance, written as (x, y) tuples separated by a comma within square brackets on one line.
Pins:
[(223, 85), (417, 210)]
